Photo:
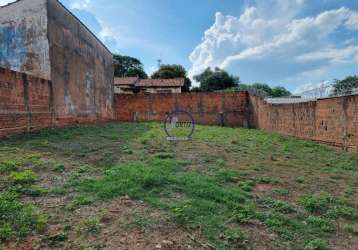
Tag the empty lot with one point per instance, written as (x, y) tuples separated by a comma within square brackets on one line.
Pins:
[(123, 186)]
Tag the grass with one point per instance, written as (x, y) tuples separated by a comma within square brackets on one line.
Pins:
[(229, 185)]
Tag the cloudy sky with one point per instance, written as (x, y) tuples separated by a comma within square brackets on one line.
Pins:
[(293, 43)]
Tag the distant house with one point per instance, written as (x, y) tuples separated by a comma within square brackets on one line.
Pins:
[(131, 85), (125, 85)]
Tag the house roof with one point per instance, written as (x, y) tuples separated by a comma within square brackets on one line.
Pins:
[(178, 82), (135, 81), (125, 80)]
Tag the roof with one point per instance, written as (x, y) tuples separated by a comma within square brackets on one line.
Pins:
[(135, 81), (178, 82), (282, 100), (125, 80)]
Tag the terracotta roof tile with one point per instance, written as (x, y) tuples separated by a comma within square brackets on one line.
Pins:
[(178, 82), (125, 80)]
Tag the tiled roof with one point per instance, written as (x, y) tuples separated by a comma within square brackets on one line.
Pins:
[(125, 80), (178, 82)]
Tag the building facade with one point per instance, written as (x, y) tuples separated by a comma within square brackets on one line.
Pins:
[(43, 39)]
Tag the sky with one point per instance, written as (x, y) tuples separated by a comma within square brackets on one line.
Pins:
[(292, 43)]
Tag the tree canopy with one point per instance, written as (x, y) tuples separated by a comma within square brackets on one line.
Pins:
[(217, 79), (345, 86), (167, 71), (265, 90), (126, 66)]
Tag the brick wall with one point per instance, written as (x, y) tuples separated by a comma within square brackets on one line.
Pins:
[(206, 108), (27, 104), (331, 121)]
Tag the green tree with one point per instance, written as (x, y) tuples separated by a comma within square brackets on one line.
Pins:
[(167, 71), (265, 90), (217, 79), (279, 92), (126, 66), (345, 86)]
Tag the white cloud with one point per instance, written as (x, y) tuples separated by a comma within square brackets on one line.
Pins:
[(4, 2), (332, 55), (264, 37)]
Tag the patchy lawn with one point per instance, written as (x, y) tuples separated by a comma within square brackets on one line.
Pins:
[(123, 186)]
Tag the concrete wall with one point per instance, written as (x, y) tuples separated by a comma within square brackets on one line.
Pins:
[(331, 121), (82, 68), (24, 45), (230, 109)]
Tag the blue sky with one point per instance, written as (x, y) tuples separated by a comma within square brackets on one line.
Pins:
[(293, 43)]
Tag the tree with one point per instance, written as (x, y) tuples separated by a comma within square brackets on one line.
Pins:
[(217, 79), (167, 71), (279, 92), (345, 86), (126, 66), (264, 89)]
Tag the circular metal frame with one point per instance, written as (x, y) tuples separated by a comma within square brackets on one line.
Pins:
[(168, 119)]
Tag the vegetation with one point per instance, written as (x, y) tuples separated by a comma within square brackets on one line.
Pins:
[(217, 79), (225, 188), (167, 71), (265, 90), (126, 66), (345, 86)]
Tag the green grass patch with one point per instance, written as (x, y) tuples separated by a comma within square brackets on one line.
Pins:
[(18, 219)]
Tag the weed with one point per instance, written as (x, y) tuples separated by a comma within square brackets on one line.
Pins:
[(23, 177), (20, 219), (320, 223), (90, 225), (164, 155), (348, 191), (59, 168), (233, 237), (283, 192), (300, 179), (277, 205), (266, 180), (316, 203), (247, 185), (8, 166), (317, 244), (343, 211), (142, 222), (351, 229)]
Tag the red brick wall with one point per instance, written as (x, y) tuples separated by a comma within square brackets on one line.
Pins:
[(206, 108), (24, 103), (27, 104), (332, 121)]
